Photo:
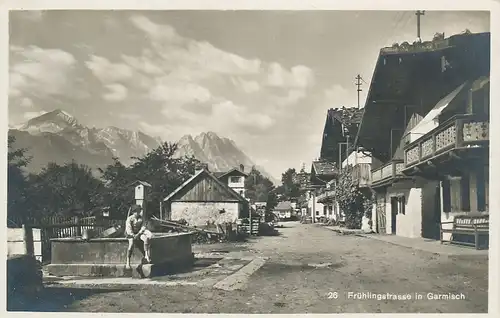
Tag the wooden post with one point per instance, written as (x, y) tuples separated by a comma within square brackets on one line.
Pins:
[(459, 131), (161, 210), (250, 222), (28, 240), (313, 212), (78, 227)]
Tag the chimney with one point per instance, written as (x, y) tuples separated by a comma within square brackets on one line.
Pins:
[(242, 168), (201, 166)]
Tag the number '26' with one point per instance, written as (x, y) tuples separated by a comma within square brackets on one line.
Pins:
[(333, 295)]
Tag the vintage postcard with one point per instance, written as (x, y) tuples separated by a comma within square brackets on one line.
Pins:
[(264, 158)]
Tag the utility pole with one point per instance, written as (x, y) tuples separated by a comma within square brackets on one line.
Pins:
[(358, 84), (418, 14)]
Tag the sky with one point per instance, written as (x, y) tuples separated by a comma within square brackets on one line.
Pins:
[(264, 79)]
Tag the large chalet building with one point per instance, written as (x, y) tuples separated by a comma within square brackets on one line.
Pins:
[(421, 142), (426, 126), (340, 129)]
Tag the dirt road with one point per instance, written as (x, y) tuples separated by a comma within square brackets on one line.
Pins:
[(310, 269)]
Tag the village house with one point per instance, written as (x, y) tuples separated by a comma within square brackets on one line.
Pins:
[(303, 179), (284, 210), (341, 126), (322, 174), (205, 199), (426, 123), (234, 178)]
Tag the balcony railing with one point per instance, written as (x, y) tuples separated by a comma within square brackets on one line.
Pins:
[(362, 175), (388, 171), (461, 131), (327, 195)]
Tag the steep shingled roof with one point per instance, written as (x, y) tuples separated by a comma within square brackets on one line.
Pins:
[(324, 168), (284, 206), (347, 116), (228, 189)]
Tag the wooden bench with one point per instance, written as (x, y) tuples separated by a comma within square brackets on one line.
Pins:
[(473, 225)]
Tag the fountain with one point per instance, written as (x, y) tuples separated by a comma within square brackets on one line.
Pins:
[(106, 256)]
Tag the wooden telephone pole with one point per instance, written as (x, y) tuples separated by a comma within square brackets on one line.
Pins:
[(358, 84), (418, 14)]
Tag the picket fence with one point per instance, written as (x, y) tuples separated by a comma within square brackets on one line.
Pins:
[(61, 227)]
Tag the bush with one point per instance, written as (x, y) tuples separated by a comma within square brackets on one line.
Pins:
[(353, 201)]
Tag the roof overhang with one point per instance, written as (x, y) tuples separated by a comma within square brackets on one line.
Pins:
[(410, 76)]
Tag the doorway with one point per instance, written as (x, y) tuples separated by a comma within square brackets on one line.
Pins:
[(394, 213), (381, 219), (431, 210)]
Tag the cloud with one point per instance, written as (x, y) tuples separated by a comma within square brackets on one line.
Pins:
[(107, 71), (192, 60), (338, 96), (291, 97), (240, 116), (197, 84), (39, 72), (299, 77), (30, 115), (129, 116), (26, 102), (168, 90), (247, 86), (117, 92), (155, 130), (155, 31)]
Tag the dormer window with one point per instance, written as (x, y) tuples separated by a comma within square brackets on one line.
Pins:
[(234, 179)]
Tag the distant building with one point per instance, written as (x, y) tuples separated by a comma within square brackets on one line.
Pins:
[(284, 210), (234, 178), (322, 172)]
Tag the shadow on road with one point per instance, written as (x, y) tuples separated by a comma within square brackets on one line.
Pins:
[(54, 298)]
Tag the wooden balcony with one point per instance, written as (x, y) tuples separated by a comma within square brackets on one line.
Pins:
[(461, 132), (388, 172), (326, 196), (362, 175)]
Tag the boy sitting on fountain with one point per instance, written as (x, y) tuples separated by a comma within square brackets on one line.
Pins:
[(135, 231)]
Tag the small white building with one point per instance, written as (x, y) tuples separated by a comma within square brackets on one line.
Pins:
[(235, 179), (203, 199)]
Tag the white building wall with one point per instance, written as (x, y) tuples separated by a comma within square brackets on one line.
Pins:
[(238, 185), (374, 217), (356, 157), (410, 223), (199, 213), (239, 182), (317, 206)]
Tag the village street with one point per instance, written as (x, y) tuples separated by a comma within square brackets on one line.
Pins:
[(308, 269)]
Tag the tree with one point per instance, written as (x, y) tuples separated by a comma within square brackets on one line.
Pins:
[(257, 186), (160, 168), (66, 190), (438, 36), (17, 184), (353, 201), (261, 189), (271, 203), (291, 186), (118, 193)]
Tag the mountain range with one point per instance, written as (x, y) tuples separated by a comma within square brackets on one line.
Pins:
[(58, 137)]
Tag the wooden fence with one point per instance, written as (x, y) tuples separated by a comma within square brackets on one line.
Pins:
[(250, 226), (61, 227), (24, 241)]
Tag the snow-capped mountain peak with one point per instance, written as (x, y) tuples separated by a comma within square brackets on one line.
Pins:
[(52, 122), (101, 144)]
